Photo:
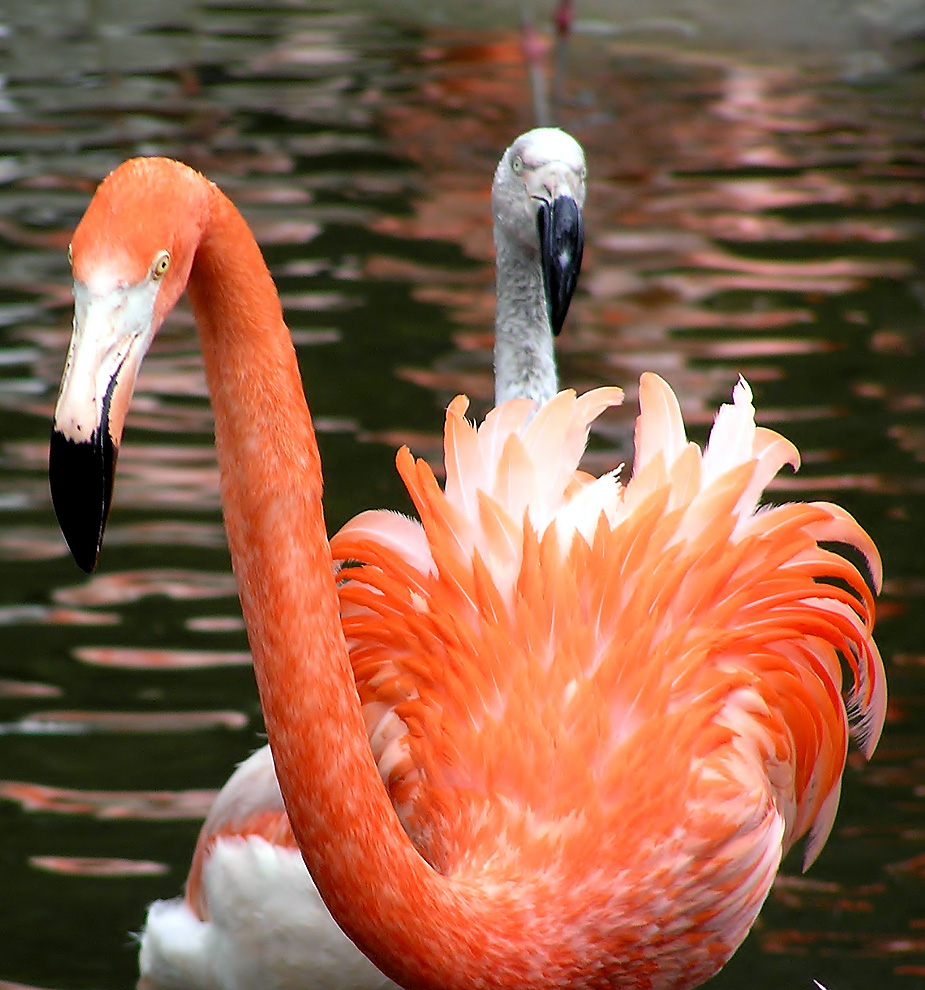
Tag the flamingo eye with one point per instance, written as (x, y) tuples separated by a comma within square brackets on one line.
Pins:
[(517, 164), (161, 264)]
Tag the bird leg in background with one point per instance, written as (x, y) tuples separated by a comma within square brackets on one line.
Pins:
[(534, 49), (545, 104), (563, 18)]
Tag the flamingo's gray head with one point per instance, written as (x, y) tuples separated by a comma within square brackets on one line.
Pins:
[(536, 199)]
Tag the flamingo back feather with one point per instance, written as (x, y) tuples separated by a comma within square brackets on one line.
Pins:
[(549, 658), (251, 919), (250, 805)]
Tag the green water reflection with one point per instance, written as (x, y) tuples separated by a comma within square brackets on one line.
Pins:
[(740, 219)]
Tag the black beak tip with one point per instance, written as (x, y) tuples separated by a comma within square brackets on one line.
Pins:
[(557, 319), (561, 248), (80, 476)]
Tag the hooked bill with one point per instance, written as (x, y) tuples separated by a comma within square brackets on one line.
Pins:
[(80, 475), (561, 247)]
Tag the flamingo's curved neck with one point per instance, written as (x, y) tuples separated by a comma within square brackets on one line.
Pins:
[(415, 924), (525, 362)]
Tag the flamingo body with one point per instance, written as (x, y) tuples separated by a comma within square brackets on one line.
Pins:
[(559, 732), (585, 627), (248, 887)]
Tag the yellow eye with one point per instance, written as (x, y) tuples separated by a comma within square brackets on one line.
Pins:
[(161, 264), (517, 164), (70, 255)]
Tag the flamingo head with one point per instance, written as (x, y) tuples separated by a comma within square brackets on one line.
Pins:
[(536, 198), (131, 257)]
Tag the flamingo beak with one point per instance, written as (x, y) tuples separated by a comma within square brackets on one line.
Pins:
[(112, 332), (561, 246)]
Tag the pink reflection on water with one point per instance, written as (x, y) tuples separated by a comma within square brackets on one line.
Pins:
[(97, 866), (42, 615), (858, 944), (761, 99), (801, 270), (910, 439), (291, 231), (167, 532), (907, 587), (144, 805), (130, 586), (171, 477), (32, 542), (50, 722), (138, 658), (845, 905), (909, 660), (314, 302), (216, 624), (760, 347), (46, 543), (711, 283), (847, 482), (28, 689), (759, 227)]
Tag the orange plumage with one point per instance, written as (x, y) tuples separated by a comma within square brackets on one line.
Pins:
[(547, 660), (602, 712)]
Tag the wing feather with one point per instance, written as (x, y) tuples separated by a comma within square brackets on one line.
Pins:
[(250, 804), (550, 650)]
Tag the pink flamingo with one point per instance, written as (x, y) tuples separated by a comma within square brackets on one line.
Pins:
[(560, 732)]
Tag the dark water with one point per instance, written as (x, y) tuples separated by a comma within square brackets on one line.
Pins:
[(767, 221)]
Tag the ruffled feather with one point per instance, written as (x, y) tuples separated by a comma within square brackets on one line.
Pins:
[(580, 641)]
